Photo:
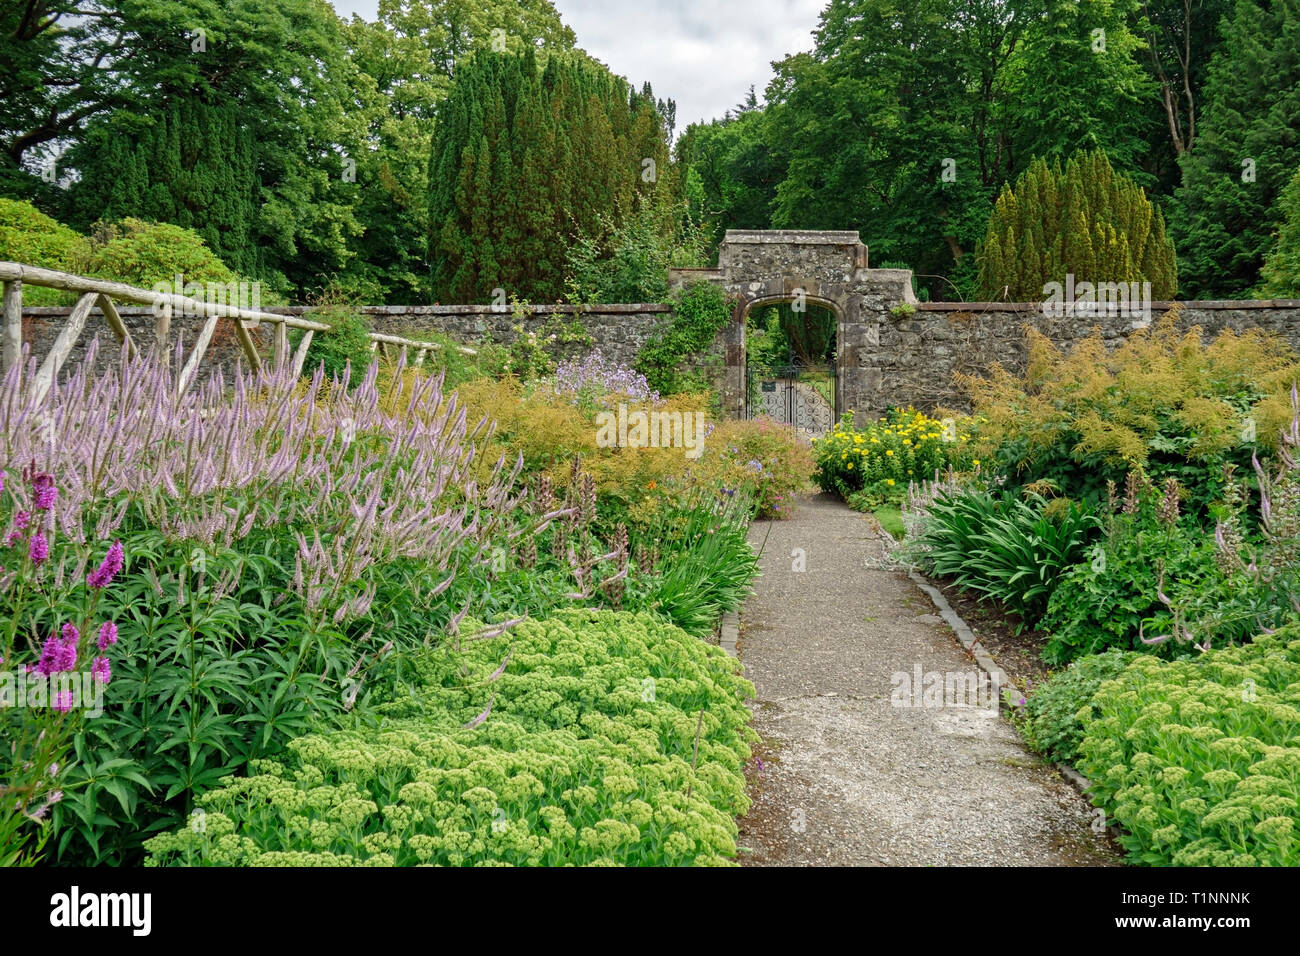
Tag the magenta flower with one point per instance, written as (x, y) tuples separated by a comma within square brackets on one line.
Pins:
[(65, 658), (12, 538), (63, 701), (101, 669), (21, 518), (39, 548), (43, 491), (50, 654), (107, 634), (103, 575)]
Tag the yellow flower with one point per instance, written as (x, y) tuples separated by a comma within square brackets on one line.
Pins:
[(977, 461), (889, 451), (850, 466), (889, 481)]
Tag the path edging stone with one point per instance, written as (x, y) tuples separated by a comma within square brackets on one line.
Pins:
[(986, 662), (964, 634), (729, 632)]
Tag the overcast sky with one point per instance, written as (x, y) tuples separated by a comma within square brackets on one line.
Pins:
[(702, 53)]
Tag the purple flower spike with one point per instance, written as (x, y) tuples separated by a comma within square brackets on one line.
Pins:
[(102, 670), (107, 634), (63, 701), (43, 491), (50, 653), (39, 549), (21, 519), (103, 575)]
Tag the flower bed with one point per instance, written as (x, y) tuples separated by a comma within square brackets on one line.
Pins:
[(590, 756)]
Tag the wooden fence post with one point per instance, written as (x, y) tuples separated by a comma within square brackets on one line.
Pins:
[(13, 323)]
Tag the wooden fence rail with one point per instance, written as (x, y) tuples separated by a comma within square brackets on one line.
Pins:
[(101, 293)]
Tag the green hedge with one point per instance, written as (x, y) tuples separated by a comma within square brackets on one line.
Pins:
[(586, 758)]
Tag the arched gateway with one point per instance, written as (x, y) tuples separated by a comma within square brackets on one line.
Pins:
[(761, 267)]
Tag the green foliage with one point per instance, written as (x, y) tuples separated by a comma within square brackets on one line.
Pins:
[(1281, 271), (588, 756), (249, 135), (706, 561), (1078, 81), (1110, 598), (1247, 150), (526, 160), (1084, 220), (347, 342), (149, 168), (1056, 711), (29, 236), (144, 253), (628, 261), (404, 65), (1197, 760), (207, 681), (700, 312), (1005, 548)]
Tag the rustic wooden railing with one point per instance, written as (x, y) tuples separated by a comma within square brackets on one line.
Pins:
[(101, 293)]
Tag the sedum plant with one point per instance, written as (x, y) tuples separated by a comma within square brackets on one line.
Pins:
[(614, 739)]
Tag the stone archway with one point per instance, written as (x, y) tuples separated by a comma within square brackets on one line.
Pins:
[(824, 268)]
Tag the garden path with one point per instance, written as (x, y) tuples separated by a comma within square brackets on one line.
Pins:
[(845, 777)]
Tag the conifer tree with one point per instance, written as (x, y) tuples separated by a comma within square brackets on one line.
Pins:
[(1083, 219), (1247, 148), (523, 162)]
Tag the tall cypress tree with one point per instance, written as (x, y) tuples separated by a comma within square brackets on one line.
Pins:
[(554, 155)]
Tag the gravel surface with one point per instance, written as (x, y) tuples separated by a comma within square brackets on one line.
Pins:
[(844, 776)]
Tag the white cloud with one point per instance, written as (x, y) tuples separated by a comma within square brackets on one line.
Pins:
[(704, 54)]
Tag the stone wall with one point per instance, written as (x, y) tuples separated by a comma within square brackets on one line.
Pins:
[(913, 358), (887, 355), (618, 330)]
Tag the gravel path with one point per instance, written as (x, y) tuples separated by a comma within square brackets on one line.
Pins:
[(844, 775)]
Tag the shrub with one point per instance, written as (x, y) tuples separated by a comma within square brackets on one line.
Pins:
[(1162, 582), (1005, 548), (1057, 710), (1111, 599), (143, 253), (633, 484), (882, 458), (1165, 403), (347, 343), (579, 749), (779, 457), (628, 260), (1198, 760), (29, 236)]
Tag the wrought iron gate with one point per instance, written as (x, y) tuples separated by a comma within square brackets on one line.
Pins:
[(804, 396)]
